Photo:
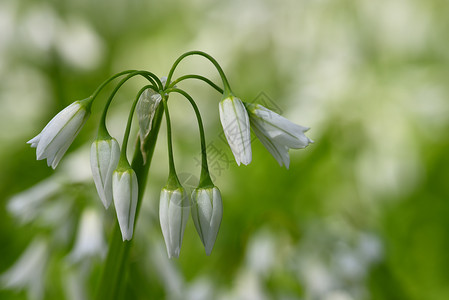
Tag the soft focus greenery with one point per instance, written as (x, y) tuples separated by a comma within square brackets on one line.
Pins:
[(363, 213)]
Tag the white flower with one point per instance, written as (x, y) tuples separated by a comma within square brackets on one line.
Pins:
[(125, 192), (104, 156), (89, 238), (276, 133), (54, 140), (235, 122), (29, 270), (173, 214), (207, 211)]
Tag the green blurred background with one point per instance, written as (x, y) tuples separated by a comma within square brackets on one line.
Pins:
[(360, 214)]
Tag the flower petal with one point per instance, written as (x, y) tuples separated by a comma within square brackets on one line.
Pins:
[(235, 121), (125, 192)]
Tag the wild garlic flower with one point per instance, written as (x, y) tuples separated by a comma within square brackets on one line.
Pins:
[(276, 133), (174, 212), (207, 212), (54, 140), (236, 127), (29, 271), (125, 192), (89, 240), (104, 157)]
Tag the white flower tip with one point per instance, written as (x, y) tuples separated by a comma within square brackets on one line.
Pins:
[(106, 204), (247, 158), (174, 253), (34, 141), (127, 236), (208, 249)]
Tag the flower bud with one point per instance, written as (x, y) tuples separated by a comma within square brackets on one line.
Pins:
[(173, 214), (57, 136), (125, 192), (236, 127), (207, 211), (104, 156)]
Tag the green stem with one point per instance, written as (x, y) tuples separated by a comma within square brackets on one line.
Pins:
[(98, 90), (112, 282), (154, 80), (205, 180), (193, 76), (128, 125), (227, 89), (173, 181)]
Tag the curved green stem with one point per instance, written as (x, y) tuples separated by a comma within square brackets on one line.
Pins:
[(173, 181), (193, 76), (98, 90), (128, 125), (205, 180), (227, 89), (102, 132)]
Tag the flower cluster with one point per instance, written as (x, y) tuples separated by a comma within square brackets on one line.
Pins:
[(122, 183)]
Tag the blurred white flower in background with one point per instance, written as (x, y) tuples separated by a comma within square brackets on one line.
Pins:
[(90, 239), (28, 272)]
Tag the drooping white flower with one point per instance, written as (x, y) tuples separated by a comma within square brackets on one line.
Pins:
[(29, 270), (125, 192), (207, 212), (276, 133), (104, 157), (89, 238), (236, 127), (54, 140), (173, 214)]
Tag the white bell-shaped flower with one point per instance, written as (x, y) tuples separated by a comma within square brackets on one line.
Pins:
[(54, 140), (207, 212), (236, 127), (90, 240), (125, 193), (173, 214), (29, 271), (277, 133), (104, 157)]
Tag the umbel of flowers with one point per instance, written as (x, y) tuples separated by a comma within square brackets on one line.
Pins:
[(119, 182)]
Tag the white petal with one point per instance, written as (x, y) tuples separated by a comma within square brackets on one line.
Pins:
[(207, 212), (279, 128), (29, 270), (125, 192), (55, 125), (59, 133), (278, 151), (201, 212), (235, 122), (89, 238), (215, 221), (104, 158), (163, 217), (173, 213), (34, 141)]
